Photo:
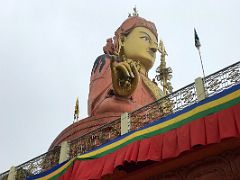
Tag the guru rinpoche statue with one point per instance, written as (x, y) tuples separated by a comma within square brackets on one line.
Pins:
[(119, 80)]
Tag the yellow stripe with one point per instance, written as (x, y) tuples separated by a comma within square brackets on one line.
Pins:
[(57, 171), (198, 109)]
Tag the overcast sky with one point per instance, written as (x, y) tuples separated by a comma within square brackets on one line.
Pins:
[(48, 47)]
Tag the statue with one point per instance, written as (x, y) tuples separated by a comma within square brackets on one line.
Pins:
[(119, 79)]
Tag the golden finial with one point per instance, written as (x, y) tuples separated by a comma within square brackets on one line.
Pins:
[(135, 12), (162, 48), (164, 73), (76, 111)]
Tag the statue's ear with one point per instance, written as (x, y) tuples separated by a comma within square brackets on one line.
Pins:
[(120, 44), (121, 41)]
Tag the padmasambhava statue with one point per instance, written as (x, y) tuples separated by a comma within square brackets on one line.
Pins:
[(119, 80)]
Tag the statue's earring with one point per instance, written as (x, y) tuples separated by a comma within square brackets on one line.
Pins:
[(120, 44)]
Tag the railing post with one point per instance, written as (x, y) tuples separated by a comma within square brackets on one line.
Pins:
[(125, 123), (12, 173), (64, 151), (200, 89)]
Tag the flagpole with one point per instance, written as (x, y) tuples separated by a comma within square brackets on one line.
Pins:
[(199, 52), (198, 45)]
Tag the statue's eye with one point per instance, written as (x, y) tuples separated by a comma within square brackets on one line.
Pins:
[(146, 38)]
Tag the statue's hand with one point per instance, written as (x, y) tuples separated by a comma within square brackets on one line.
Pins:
[(125, 77)]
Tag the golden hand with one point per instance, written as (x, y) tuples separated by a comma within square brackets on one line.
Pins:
[(125, 77)]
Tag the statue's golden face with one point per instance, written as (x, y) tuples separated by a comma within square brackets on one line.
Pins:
[(141, 45)]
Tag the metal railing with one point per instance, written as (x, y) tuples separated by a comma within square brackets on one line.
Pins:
[(223, 79), (95, 138), (169, 104), (39, 164)]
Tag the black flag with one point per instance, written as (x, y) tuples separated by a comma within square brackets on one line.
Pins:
[(197, 41)]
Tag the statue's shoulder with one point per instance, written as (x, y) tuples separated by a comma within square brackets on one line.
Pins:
[(101, 64)]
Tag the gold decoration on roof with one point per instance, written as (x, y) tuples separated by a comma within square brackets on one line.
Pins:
[(76, 111), (135, 12), (164, 73)]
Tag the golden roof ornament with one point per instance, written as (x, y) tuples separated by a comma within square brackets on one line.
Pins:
[(135, 12), (162, 49), (76, 111), (164, 73)]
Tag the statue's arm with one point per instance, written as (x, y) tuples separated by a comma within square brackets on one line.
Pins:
[(100, 82)]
